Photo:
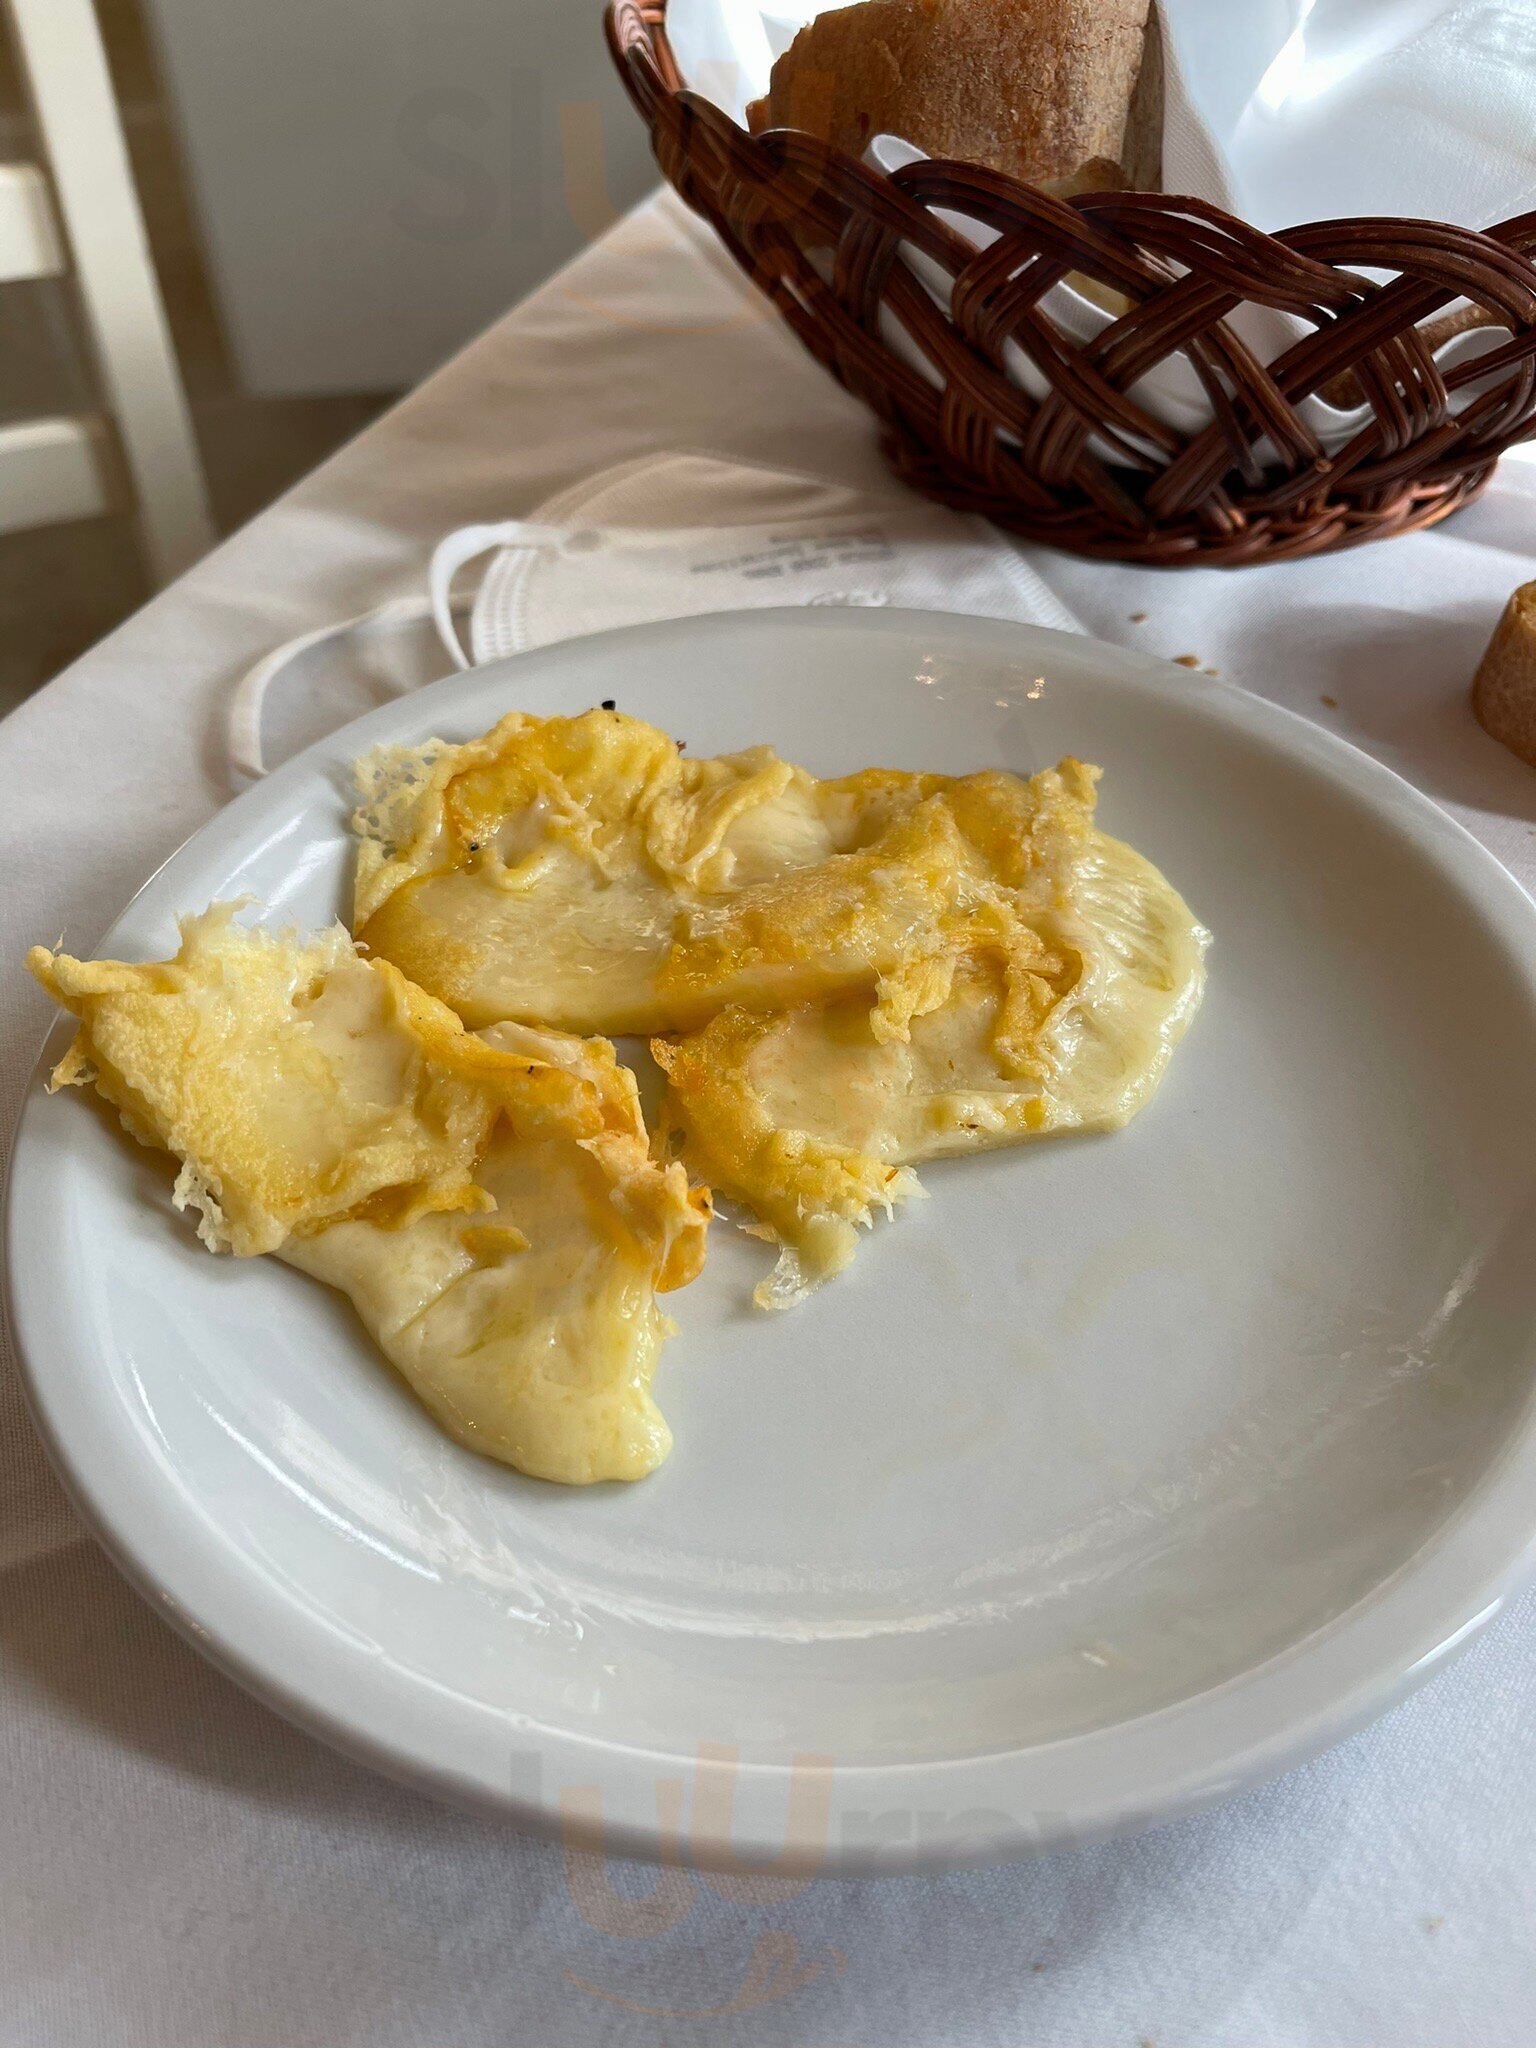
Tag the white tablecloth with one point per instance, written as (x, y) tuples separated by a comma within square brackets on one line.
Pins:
[(179, 1869)]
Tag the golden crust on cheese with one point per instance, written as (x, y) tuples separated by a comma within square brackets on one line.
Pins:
[(324, 1108), (814, 1116), (298, 1082), (583, 871), (810, 1196)]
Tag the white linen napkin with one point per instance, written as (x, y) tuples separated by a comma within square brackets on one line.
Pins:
[(1302, 109), (664, 536)]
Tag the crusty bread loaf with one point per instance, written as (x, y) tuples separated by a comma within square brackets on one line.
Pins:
[(1345, 390), (1062, 93), (1445, 327), (1504, 688)]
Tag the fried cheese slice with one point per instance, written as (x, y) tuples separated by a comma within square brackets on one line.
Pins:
[(584, 873), (814, 1116), (490, 1204)]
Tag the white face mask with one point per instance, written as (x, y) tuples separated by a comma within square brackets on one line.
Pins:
[(666, 536), (670, 536)]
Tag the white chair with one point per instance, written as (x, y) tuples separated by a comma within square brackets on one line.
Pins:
[(66, 467)]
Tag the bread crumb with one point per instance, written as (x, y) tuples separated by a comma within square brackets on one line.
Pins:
[(1037, 1968), (1331, 702), (1434, 1923), (1188, 661), (1138, 618), (1210, 671)]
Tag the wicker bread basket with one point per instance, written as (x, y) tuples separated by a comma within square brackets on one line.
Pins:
[(1084, 466)]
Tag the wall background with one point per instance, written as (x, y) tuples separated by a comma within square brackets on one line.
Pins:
[(376, 181)]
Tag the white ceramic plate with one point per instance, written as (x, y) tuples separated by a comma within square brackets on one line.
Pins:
[(1117, 1474)]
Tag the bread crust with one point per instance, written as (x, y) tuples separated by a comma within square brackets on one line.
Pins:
[(1066, 94)]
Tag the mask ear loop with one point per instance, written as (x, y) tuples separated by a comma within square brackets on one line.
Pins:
[(456, 550), (243, 720), (242, 724)]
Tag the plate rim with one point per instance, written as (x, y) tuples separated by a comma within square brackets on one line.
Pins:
[(1319, 1688)]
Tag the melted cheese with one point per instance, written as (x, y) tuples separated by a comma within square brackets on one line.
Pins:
[(814, 1116), (490, 1203), (843, 979), (583, 872), (531, 1332)]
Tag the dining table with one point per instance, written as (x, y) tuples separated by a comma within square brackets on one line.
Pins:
[(180, 1868)]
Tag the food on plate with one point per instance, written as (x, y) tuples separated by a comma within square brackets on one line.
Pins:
[(1504, 688), (840, 980), (813, 1116), (1066, 94), (489, 1203), (584, 872)]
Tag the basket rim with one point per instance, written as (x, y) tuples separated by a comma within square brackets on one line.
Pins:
[(1092, 464)]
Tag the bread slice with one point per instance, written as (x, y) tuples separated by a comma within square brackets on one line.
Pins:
[(1066, 94), (1504, 688)]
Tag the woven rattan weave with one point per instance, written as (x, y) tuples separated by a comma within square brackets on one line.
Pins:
[(1085, 466)]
